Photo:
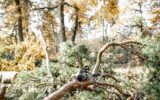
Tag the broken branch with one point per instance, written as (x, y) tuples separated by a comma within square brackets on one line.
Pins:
[(106, 46), (73, 85)]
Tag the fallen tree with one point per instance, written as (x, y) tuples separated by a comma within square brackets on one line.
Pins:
[(91, 82)]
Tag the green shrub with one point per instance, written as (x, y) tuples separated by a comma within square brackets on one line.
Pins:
[(152, 52), (75, 55)]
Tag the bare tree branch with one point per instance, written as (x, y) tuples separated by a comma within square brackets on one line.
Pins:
[(107, 75), (49, 8), (73, 85), (106, 46), (118, 95), (69, 5), (115, 87)]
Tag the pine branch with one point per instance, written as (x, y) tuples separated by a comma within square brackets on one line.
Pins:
[(73, 85)]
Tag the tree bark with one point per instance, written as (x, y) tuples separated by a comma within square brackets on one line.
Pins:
[(71, 86), (76, 25), (141, 12), (2, 92), (62, 21), (99, 56), (20, 27), (46, 55)]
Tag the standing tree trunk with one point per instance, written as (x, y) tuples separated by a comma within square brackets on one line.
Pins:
[(46, 55), (62, 21), (103, 26), (141, 13), (76, 24), (20, 28), (103, 32)]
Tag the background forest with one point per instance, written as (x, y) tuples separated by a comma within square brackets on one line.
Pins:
[(80, 49)]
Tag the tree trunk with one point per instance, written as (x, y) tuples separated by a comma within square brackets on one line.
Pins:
[(103, 26), (141, 12), (2, 92), (56, 38), (20, 28), (62, 21), (76, 25), (46, 55), (103, 32)]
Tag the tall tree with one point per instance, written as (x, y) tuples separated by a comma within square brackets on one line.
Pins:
[(75, 24), (48, 33), (155, 10), (107, 16), (62, 27), (17, 16), (79, 14), (19, 21)]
